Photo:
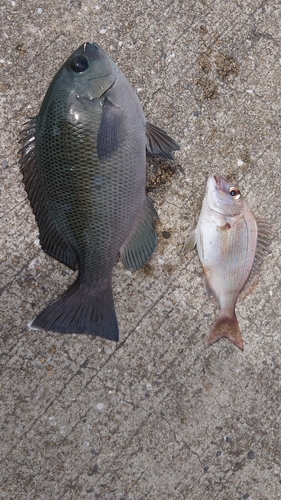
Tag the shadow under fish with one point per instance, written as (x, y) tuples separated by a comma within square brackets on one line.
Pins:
[(231, 245), (84, 169)]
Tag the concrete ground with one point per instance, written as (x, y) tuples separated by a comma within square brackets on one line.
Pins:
[(159, 415)]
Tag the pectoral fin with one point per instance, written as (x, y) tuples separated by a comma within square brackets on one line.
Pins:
[(112, 129), (159, 143), (190, 242)]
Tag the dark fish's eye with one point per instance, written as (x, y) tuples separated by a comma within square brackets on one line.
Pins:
[(233, 191), (79, 64)]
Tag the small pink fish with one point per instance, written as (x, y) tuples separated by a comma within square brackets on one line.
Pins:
[(231, 245)]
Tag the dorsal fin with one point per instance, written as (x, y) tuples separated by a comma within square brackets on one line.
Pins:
[(51, 240), (263, 241)]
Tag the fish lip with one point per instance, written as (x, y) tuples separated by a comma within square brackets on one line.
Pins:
[(220, 183), (213, 183), (91, 48), (93, 51), (218, 180)]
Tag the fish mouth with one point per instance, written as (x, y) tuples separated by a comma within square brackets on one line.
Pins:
[(213, 183), (93, 50), (219, 181)]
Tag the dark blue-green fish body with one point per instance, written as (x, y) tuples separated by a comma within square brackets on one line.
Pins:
[(83, 163)]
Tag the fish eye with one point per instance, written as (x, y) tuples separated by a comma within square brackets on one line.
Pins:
[(233, 191), (79, 64)]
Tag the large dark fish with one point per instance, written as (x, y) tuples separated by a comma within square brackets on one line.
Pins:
[(84, 168), (231, 245)]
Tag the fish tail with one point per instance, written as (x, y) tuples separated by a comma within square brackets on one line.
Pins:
[(226, 326), (81, 309)]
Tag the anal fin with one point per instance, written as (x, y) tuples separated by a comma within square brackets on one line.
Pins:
[(159, 143)]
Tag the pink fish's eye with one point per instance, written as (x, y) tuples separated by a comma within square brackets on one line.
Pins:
[(233, 191)]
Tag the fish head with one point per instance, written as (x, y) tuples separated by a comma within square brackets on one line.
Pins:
[(89, 72), (223, 197)]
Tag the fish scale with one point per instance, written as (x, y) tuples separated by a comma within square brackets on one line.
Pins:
[(83, 164), (231, 246), (70, 188)]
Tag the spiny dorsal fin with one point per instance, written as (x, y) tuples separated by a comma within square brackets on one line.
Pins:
[(263, 241), (51, 240)]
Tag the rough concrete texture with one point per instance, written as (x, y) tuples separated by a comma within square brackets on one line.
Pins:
[(160, 415)]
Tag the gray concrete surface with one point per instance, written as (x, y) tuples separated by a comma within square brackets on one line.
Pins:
[(160, 415)]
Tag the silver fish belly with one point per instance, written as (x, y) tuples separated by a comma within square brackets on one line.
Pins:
[(231, 245)]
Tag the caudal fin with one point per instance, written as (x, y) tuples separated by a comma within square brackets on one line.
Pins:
[(81, 309), (226, 326)]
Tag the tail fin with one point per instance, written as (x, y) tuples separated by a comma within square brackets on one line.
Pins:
[(81, 309), (226, 326)]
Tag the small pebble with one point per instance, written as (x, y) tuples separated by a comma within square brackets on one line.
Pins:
[(166, 234)]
